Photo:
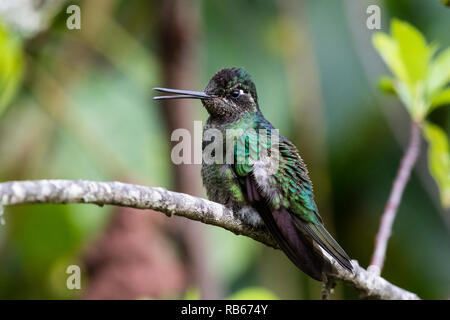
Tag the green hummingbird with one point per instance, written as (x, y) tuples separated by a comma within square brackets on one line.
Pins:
[(282, 200)]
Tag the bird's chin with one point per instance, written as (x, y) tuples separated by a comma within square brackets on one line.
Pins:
[(215, 107)]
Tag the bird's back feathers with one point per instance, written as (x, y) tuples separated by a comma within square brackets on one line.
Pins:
[(285, 202)]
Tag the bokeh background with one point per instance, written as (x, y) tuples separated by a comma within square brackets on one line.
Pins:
[(83, 109)]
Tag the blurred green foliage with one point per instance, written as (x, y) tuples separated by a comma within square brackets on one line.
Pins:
[(420, 80), (11, 65), (446, 2), (439, 158), (253, 293), (422, 84), (247, 293)]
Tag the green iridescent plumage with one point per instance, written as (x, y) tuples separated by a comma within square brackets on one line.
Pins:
[(289, 187), (266, 183), (291, 178)]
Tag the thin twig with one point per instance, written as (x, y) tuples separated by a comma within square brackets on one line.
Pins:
[(174, 203), (390, 211)]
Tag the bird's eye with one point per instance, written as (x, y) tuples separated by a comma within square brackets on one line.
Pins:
[(236, 93)]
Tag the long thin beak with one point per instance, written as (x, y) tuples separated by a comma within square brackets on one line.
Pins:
[(182, 94)]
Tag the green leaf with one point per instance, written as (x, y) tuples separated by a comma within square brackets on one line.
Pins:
[(440, 99), (439, 72), (413, 50), (439, 160), (386, 84), (419, 79), (388, 49), (11, 66), (253, 293)]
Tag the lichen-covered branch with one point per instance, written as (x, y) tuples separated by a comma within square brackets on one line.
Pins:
[(172, 203)]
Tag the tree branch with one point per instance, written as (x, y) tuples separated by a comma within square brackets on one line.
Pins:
[(390, 211), (173, 203)]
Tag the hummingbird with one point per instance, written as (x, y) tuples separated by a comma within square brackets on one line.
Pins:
[(280, 200)]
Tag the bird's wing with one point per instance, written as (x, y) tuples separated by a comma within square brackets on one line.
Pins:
[(285, 202)]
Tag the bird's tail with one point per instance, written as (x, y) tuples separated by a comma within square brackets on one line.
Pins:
[(320, 235), (296, 237)]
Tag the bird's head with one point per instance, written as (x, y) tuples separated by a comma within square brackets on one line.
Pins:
[(229, 94)]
